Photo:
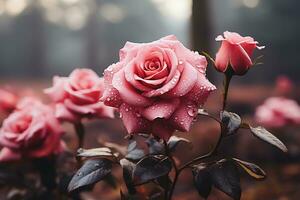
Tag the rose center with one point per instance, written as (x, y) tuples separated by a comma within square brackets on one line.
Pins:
[(21, 125), (85, 84), (152, 65)]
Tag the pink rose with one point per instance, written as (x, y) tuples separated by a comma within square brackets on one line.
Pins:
[(277, 112), (31, 131), (284, 85), (8, 101), (157, 86), (235, 51), (78, 96)]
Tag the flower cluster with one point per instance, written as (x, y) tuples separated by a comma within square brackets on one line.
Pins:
[(158, 88)]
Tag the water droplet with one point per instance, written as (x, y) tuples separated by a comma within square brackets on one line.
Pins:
[(138, 114), (192, 112), (126, 109), (108, 99), (180, 62)]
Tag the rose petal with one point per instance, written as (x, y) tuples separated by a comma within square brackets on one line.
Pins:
[(57, 92), (127, 47), (248, 47), (127, 93), (167, 87), (130, 74), (8, 155), (151, 82), (133, 120), (110, 72), (111, 97), (222, 57), (240, 61), (184, 115), (81, 98), (62, 113), (201, 90), (6, 141), (161, 109), (186, 82)]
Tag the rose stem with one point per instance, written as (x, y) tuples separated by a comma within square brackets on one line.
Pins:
[(47, 170), (227, 79), (79, 128)]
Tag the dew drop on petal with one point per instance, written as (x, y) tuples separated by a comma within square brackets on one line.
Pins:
[(192, 112)]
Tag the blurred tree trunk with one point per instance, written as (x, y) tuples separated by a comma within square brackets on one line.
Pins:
[(37, 57), (201, 28), (92, 48)]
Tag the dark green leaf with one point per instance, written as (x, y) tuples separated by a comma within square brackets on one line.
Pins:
[(91, 172), (268, 137), (202, 180), (252, 169), (150, 168), (174, 141), (155, 147), (127, 175), (224, 176), (133, 152), (103, 152), (231, 121)]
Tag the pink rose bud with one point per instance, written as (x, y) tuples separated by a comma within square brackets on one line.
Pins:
[(157, 86), (31, 131), (235, 51), (78, 96), (8, 101), (278, 112)]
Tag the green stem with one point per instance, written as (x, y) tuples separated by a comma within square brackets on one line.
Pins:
[(169, 194), (80, 132), (213, 152), (227, 80)]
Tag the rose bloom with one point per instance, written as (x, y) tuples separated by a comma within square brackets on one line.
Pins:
[(277, 112), (235, 51), (31, 131), (78, 96), (284, 85), (8, 101), (157, 86)]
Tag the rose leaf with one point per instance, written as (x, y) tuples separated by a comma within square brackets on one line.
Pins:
[(92, 171), (264, 135), (151, 168)]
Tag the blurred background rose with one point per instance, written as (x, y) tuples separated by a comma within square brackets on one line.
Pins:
[(43, 38)]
